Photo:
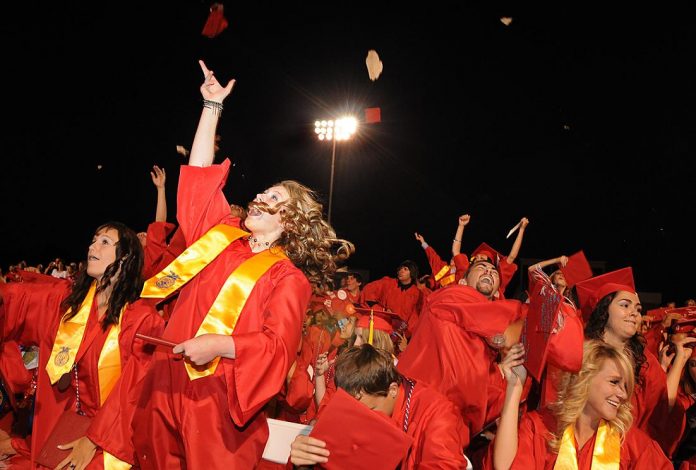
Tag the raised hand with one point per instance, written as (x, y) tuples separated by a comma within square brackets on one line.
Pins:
[(211, 89), (419, 237), (464, 219), (524, 222), (512, 366), (158, 177)]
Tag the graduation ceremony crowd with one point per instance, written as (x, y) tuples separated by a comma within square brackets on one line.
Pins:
[(173, 348)]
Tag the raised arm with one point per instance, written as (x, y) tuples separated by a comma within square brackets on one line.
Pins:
[(518, 241), (505, 443), (457, 241), (683, 347), (203, 148), (562, 260), (158, 179)]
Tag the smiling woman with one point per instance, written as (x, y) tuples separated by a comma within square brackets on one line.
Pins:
[(589, 425), (612, 310)]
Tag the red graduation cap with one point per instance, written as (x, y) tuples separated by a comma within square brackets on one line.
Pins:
[(547, 338), (358, 437), (591, 291), (216, 22), (373, 115), (488, 251), (576, 269), (381, 319)]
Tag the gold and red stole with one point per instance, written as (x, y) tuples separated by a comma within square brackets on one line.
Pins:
[(69, 337), (606, 454), (223, 315), (442, 279)]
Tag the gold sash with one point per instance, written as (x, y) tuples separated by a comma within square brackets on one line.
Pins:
[(445, 280), (223, 315), (440, 274), (606, 454), (68, 340), (191, 261)]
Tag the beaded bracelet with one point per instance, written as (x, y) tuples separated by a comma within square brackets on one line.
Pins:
[(214, 105)]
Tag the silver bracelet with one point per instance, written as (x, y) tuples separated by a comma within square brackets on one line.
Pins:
[(214, 105)]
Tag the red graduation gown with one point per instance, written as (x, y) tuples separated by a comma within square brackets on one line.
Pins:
[(649, 398), (218, 421), (435, 425), (449, 350), (156, 247), (406, 303), (638, 451), (31, 315)]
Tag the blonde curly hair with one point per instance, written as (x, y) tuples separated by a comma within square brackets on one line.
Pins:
[(307, 239), (574, 390)]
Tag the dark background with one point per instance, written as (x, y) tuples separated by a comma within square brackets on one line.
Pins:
[(578, 118)]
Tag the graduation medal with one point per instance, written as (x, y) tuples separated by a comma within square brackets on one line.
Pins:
[(167, 281), (62, 357)]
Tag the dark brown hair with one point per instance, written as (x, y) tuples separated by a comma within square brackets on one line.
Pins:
[(366, 369)]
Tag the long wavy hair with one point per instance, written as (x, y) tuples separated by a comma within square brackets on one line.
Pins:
[(574, 390), (595, 330), (125, 274), (307, 239)]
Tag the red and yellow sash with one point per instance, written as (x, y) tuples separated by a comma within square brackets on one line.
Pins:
[(191, 261), (229, 303), (606, 454), (65, 347), (223, 315), (442, 279)]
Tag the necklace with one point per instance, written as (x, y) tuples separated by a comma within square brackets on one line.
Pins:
[(254, 241)]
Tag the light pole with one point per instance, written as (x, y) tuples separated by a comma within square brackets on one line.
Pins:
[(340, 129)]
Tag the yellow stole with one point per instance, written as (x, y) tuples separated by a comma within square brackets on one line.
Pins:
[(191, 261), (606, 454), (444, 280), (68, 340), (229, 303)]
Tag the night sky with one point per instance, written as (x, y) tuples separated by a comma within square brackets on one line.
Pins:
[(579, 119)]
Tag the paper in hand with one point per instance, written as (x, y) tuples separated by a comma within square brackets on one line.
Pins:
[(513, 229)]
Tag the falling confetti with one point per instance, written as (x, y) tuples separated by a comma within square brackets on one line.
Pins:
[(506, 20), (374, 65)]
